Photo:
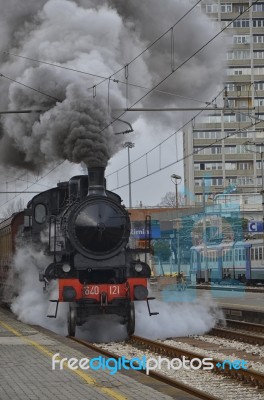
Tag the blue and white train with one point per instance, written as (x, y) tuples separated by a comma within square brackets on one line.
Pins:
[(241, 260)]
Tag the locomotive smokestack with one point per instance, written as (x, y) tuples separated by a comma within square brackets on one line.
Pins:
[(96, 180)]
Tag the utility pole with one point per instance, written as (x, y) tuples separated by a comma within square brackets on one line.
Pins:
[(204, 236), (262, 196), (129, 146)]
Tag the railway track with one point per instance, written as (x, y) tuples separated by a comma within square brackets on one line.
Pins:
[(243, 332), (258, 328), (190, 383), (242, 375), (160, 377)]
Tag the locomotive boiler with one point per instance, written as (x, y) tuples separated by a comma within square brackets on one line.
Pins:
[(98, 272)]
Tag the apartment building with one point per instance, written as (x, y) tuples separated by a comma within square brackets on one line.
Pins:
[(219, 160)]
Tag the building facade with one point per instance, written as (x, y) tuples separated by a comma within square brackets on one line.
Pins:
[(219, 158)]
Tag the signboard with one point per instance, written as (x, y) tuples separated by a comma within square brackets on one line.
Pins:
[(138, 230), (255, 226)]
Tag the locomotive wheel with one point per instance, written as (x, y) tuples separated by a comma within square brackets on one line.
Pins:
[(71, 319), (131, 322)]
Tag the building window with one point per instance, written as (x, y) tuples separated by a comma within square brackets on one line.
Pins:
[(244, 134), (258, 38), (230, 149), (198, 198), (226, 7), (242, 103), (241, 23), (230, 166), (239, 8), (207, 150), (258, 54), (259, 102), (257, 23), (216, 150), (242, 117), (258, 7), (244, 71), (217, 181), (207, 135), (211, 8), (259, 85), (241, 39), (245, 180), (238, 55), (244, 165), (233, 87)]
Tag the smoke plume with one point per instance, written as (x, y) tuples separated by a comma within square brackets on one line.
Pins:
[(99, 37)]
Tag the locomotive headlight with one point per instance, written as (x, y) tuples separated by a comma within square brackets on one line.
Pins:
[(138, 267), (66, 268), (68, 293), (140, 292)]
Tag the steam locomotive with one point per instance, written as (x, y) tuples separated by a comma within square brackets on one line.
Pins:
[(88, 232)]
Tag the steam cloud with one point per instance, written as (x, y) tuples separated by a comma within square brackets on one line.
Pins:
[(29, 302), (98, 37), (174, 320), (31, 305)]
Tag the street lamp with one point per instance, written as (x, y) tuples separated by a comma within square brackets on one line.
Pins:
[(129, 146), (175, 178)]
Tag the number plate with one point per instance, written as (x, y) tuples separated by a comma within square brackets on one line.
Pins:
[(91, 290), (94, 290), (114, 289)]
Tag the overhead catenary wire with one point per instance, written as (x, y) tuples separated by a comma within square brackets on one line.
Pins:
[(179, 66), (145, 155), (182, 158), (29, 87), (110, 77), (24, 191), (105, 78), (172, 134), (153, 43)]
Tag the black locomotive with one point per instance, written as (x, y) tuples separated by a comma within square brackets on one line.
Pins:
[(88, 239)]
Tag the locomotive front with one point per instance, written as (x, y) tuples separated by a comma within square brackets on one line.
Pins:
[(98, 273)]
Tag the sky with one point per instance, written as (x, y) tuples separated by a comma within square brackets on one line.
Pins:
[(75, 126)]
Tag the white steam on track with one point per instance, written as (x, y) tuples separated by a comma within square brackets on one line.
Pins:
[(30, 303), (177, 319), (98, 37), (31, 306)]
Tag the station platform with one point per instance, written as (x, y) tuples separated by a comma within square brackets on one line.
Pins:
[(247, 300), (26, 370)]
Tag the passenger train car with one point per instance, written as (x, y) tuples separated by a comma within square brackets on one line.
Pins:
[(241, 260)]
